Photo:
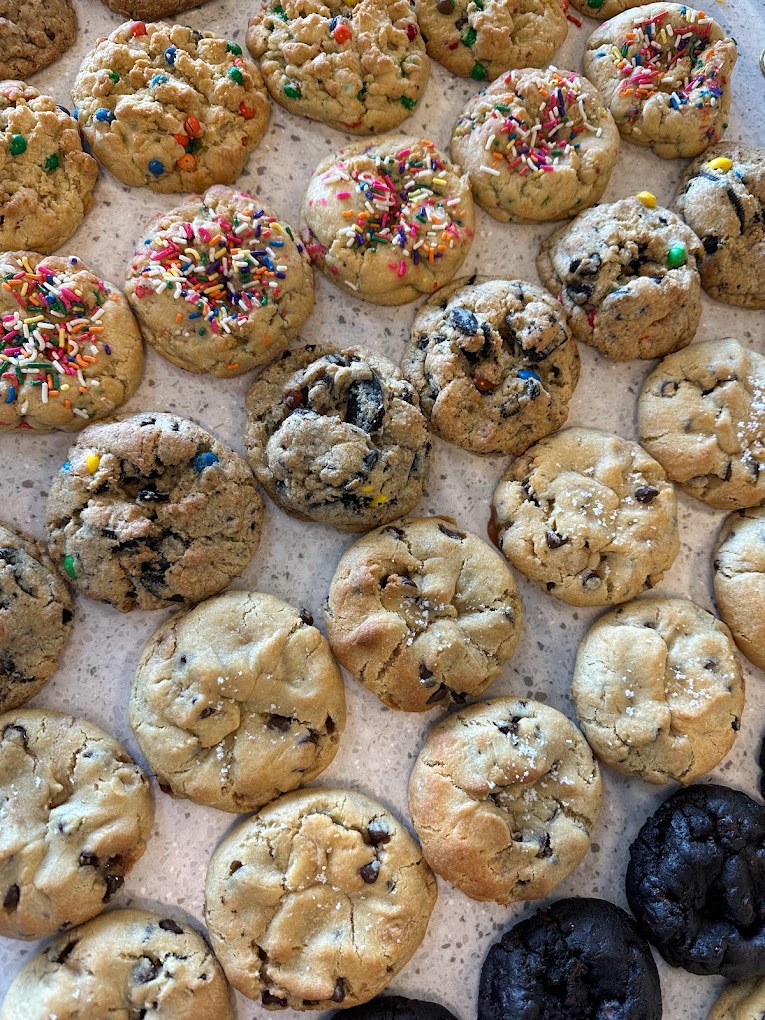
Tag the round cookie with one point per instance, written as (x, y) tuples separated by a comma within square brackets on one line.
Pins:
[(701, 414), (739, 580), (71, 350), (578, 959), (359, 67), (423, 614), (504, 796), (150, 510), (75, 815), (627, 277), (46, 180), (394, 1007), (337, 437), (318, 899), (482, 38), (237, 701), (34, 34), (743, 1000), (696, 881), (494, 364), (151, 10), (388, 220), (220, 284), (604, 9), (169, 107), (722, 198), (124, 963), (664, 71), (35, 617), (536, 145), (658, 690), (589, 516)]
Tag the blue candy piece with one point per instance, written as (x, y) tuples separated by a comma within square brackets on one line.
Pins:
[(170, 54), (103, 114), (156, 167), (526, 373), (76, 113), (158, 79), (204, 460), (66, 466)]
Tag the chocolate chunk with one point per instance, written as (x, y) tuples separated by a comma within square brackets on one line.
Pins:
[(378, 832), (167, 924), (426, 677), (339, 993), (279, 722), (234, 866), (445, 6), (88, 860), (295, 398), (554, 540), (451, 533), (711, 244), (329, 724), (438, 695), (206, 712), (113, 883), (272, 1000), (12, 897), (646, 493), (464, 320), (365, 408), (370, 872), (66, 615), (65, 953), (306, 617)]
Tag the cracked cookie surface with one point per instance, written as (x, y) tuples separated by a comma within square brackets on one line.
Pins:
[(34, 34), (151, 10), (395, 1007), (701, 414), (739, 580), (127, 963), (588, 515), (658, 690), (423, 614), (237, 701), (75, 815), (627, 277), (504, 796), (150, 510), (318, 899), (604, 9), (744, 1000)]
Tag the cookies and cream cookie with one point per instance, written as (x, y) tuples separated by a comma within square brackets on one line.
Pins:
[(739, 580), (34, 34)]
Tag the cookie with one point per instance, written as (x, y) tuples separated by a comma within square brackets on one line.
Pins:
[(658, 690), (34, 34), (494, 364), (536, 145), (722, 198), (588, 516), (317, 900), (75, 815), (220, 284), (504, 796), (125, 963), (604, 9), (237, 701), (664, 71), (395, 1007), (739, 580), (360, 68), (151, 10), (696, 881), (70, 350), (35, 617), (169, 107), (480, 39), (701, 414), (577, 959), (46, 180), (388, 220), (337, 437), (627, 276), (743, 1000), (150, 510)]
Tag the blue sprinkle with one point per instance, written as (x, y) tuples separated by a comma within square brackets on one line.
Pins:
[(195, 315), (156, 167), (107, 349), (66, 466), (204, 460), (158, 79), (170, 54), (103, 114), (526, 373), (11, 395), (277, 244)]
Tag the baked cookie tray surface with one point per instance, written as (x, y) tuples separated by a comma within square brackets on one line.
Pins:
[(296, 560)]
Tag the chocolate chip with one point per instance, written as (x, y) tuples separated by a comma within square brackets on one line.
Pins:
[(483, 385), (306, 617), (736, 724), (273, 1000), (167, 924), (451, 533), (370, 872), (234, 866), (145, 970), (206, 712), (438, 695), (65, 952), (711, 664), (294, 398), (378, 832), (464, 319), (88, 860), (711, 244), (445, 6), (554, 540), (339, 993), (550, 585), (329, 724), (262, 954), (279, 722), (544, 849), (509, 613), (67, 615), (365, 408), (510, 727), (646, 493), (113, 883), (12, 897), (426, 677)]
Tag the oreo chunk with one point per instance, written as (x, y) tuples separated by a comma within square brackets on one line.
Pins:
[(579, 959), (395, 1007), (365, 408)]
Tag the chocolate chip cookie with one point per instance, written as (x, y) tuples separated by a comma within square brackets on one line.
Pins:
[(151, 10), (395, 1007), (743, 1000), (604, 9), (34, 34), (739, 580)]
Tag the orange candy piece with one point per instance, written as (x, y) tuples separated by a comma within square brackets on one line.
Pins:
[(193, 127), (182, 140), (248, 112), (187, 162)]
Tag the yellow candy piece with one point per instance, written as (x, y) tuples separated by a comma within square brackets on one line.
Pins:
[(379, 500), (721, 163), (647, 199), (92, 461), (366, 489)]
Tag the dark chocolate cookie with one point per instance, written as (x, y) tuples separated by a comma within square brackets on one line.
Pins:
[(696, 881), (395, 1007), (579, 959)]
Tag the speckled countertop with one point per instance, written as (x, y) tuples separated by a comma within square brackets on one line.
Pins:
[(296, 560)]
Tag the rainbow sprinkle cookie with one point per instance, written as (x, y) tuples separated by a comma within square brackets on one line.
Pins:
[(170, 108), (536, 145), (664, 71), (70, 349), (220, 285), (388, 220)]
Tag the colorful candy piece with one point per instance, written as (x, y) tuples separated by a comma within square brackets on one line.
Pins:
[(292, 90), (137, 28), (156, 167), (52, 161), (677, 256), (720, 163), (69, 567), (647, 199), (234, 48), (158, 79), (91, 462), (342, 33), (103, 115), (478, 72), (18, 145), (235, 75), (170, 54), (204, 460)]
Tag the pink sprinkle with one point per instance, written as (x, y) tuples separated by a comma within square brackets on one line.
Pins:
[(205, 234), (401, 268), (343, 194)]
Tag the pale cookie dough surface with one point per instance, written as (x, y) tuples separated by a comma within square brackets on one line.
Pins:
[(658, 690), (35, 617), (77, 365), (627, 277), (404, 246), (667, 90), (701, 414), (423, 613), (318, 900), (150, 510), (722, 198), (46, 180), (337, 437), (504, 796), (75, 815), (34, 33), (739, 580), (127, 963), (604, 9), (588, 516), (220, 284), (494, 364), (358, 67), (742, 1000), (482, 38), (536, 145), (169, 107), (237, 701)]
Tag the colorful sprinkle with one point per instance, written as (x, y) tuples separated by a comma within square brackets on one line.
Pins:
[(52, 161), (720, 163), (156, 167), (92, 461), (69, 566), (18, 145), (648, 200), (235, 75), (677, 256), (204, 460)]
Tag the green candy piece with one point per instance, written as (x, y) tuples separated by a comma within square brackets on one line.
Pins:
[(235, 75), (478, 72), (234, 48), (292, 91), (18, 145), (595, 4), (280, 13), (469, 37), (408, 103), (69, 566), (52, 162), (114, 76), (677, 256)]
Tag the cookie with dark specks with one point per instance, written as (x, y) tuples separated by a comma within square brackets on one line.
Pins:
[(151, 10), (396, 1007), (743, 1000), (34, 33), (739, 580)]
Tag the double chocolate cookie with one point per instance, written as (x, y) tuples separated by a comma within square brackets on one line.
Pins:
[(396, 1007)]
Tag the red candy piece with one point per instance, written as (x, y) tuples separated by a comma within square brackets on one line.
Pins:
[(246, 111), (342, 33), (411, 31), (182, 140), (193, 127), (137, 28)]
